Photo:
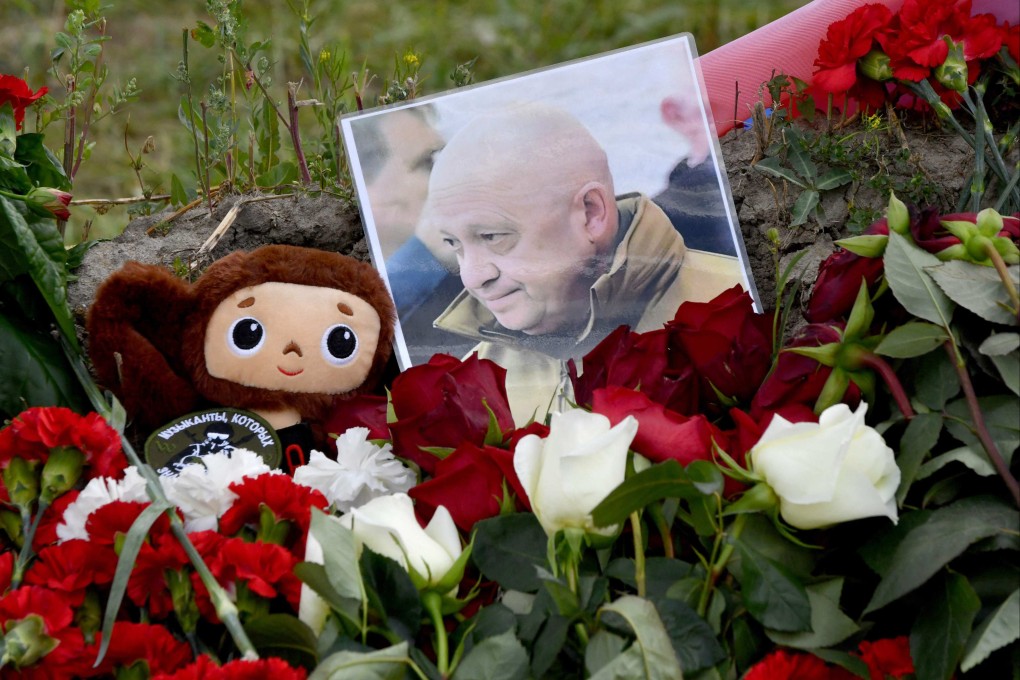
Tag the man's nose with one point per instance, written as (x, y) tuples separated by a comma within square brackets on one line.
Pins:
[(476, 269)]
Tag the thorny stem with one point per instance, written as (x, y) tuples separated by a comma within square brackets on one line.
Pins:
[(885, 371), (721, 553), (1007, 280), (981, 428), (295, 133)]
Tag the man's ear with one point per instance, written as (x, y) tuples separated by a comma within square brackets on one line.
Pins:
[(599, 212)]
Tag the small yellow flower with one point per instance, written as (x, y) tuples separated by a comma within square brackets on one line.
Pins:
[(324, 55), (411, 59)]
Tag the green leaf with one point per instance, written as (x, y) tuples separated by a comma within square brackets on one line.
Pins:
[(204, 34), (42, 166), (663, 480), (653, 644), (510, 549), (799, 158), (905, 270), (285, 636), (390, 663), (279, 174), (33, 370), (804, 206), (41, 250), (1002, 348), (942, 628), (603, 648), (501, 657), (918, 439), (314, 576), (1001, 413), (8, 129), (942, 536), (831, 179), (865, 245), (339, 555), (773, 166), (125, 563), (977, 462), (1001, 628), (772, 594), (693, 639), (935, 380), (911, 340), (829, 625), (178, 194), (391, 594), (976, 288), (850, 662)]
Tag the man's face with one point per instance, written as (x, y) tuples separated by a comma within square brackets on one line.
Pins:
[(398, 192), (527, 259)]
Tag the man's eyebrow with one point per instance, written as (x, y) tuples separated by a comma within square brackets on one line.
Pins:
[(247, 302), (345, 308)]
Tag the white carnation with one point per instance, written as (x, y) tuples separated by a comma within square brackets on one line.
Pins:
[(98, 492), (202, 489), (361, 472)]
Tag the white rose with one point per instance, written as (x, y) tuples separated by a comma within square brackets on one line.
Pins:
[(362, 471), (388, 526), (572, 470), (832, 471)]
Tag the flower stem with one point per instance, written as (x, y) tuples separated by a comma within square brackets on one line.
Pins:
[(295, 133), (434, 606), (885, 371), (981, 428), (1007, 280), (639, 553), (726, 540), (656, 513), (31, 525)]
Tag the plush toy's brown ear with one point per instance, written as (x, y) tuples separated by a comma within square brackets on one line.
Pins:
[(134, 329)]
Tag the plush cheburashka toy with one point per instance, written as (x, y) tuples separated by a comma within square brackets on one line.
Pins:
[(282, 331)]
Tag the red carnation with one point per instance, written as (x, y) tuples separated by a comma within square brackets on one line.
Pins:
[(287, 500), (470, 482), (51, 606), (845, 42), (46, 532), (6, 569), (443, 403), (728, 343), (19, 95), (153, 644), (148, 586), (101, 445), (71, 567), (205, 668)]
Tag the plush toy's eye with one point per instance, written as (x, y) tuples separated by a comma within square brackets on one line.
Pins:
[(339, 344), (245, 336)]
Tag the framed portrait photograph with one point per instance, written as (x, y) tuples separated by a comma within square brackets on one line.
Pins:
[(527, 218)]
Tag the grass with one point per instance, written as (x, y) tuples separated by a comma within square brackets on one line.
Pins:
[(501, 37)]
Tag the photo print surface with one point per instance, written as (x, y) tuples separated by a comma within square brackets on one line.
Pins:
[(527, 218)]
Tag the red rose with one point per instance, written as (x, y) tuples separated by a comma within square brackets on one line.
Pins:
[(638, 360), (1011, 39), (19, 95), (888, 658), (50, 200), (361, 410), (930, 235), (470, 482), (839, 280), (794, 385), (729, 345), (443, 404), (662, 434)]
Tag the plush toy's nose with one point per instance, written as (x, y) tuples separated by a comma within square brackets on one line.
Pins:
[(293, 347)]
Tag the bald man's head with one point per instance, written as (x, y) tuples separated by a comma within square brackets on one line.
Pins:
[(524, 197)]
